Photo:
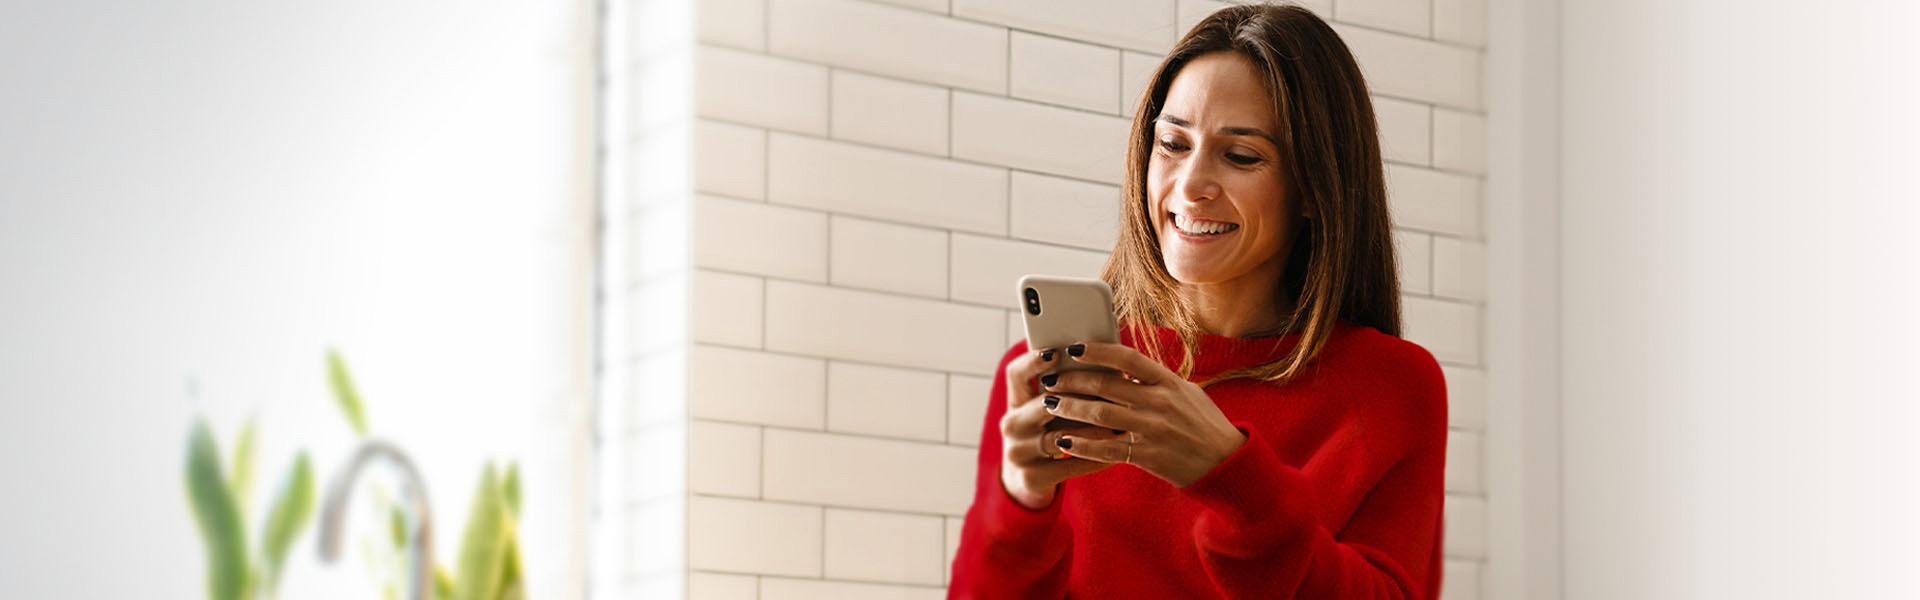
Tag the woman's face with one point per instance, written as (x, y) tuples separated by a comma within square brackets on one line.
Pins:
[(1220, 200)]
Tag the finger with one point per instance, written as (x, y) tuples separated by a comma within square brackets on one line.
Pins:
[(1094, 412), (1116, 356), (1093, 384), (1021, 429), (1069, 467), (1108, 449), (1049, 442), (1022, 370)]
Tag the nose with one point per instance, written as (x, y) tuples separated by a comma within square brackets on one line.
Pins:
[(1196, 180)]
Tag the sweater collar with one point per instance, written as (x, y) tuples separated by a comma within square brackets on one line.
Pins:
[(1216, 354)]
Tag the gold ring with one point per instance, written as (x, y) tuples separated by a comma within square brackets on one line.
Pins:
[(1130, 438)]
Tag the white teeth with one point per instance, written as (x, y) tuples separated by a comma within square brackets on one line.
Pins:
[(1185, 224)]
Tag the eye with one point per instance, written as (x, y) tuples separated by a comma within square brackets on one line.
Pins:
[(1242, 159), (1171, 145)]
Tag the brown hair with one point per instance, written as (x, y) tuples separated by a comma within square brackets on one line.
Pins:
[(1341, 266)]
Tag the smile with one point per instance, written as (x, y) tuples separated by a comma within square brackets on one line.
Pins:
[(1202, 227)]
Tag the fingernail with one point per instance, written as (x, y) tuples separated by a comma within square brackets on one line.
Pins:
[(1064, 443), (1076, 350), (1048, 379), (1053, 402), (1046, 355), (1119, 431)]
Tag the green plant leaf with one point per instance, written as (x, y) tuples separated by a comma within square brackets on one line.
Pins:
[(291, 512), (398, 523), (483, 547), (242, 480), (218, 514), (343, 391), (511, 488), (442, 582), (512, 587)]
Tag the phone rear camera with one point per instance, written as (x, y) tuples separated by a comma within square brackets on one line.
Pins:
[(1033, 301)]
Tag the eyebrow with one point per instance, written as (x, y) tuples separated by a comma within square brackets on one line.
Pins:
[(1247, 131)]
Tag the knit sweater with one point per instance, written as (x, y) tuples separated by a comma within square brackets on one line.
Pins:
[(1336, 493)]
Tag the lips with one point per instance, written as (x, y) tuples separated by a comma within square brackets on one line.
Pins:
[(1202, 227)]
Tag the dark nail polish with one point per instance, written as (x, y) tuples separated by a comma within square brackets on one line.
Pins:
[(1046, 355), (1064, 443), (1119, 431), (1053, 402), (1076, 350), (1049, 379)]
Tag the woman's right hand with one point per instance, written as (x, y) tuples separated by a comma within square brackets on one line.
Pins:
[(1031, 464)]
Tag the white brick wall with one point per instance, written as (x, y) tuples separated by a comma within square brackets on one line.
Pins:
[(866, 180)]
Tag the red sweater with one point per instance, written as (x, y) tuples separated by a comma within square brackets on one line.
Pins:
[(1337, 492)]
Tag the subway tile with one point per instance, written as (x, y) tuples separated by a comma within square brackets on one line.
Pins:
[(986, 270), (1415, 252), (657, 314), (954, 525), (748, 536), (655, 468), (656, 389), (864, 472), (893, 41), (756, 89), (882, 328), (755, 237), (967, 398), (1037, 137), (1463, 462), (702, 585), (1432, 201), (780, 588), (1460, 580), (935, 6), (726, 309), (1459, 268), (1459, 141), (1057, 71), (1136, 71), (884, 547), (1466, 527), (890, 112), (1450, 330), (886, 401), (884, 256), (659, 240), (669, 152), (1144, 25), (1189, 13), (886, 184), (737, 23), (1460, 21), (723, 459), (730, 384), (1065, 211), (1415, 69), (1411, 17), (729, 160), (1466, 397), (1016, 327), (1405, 130)]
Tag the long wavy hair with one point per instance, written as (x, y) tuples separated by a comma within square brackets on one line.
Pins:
[(1341, 265)]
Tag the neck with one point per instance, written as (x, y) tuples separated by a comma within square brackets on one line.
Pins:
[(1242, 308)]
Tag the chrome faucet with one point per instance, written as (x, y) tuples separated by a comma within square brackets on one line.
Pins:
[(419, 512)]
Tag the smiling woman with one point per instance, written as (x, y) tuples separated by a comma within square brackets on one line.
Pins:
[(1275, 438)]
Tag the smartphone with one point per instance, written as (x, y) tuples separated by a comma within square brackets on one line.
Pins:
[(1060, 311)]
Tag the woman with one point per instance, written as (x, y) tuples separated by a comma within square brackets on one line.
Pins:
[(1272, 436)]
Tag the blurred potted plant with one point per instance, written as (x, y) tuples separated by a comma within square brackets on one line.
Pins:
[(489, 562)]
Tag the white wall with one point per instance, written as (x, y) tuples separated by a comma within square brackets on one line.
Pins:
[(826, 223), (1738, 285), (198, 199)]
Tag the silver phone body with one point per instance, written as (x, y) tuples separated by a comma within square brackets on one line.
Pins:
[(1060, 311)]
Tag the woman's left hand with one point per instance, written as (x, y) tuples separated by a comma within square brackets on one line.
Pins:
[(1178, 434)]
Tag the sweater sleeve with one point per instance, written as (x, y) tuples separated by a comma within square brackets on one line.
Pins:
[(1007, 550), (1261, 534)]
